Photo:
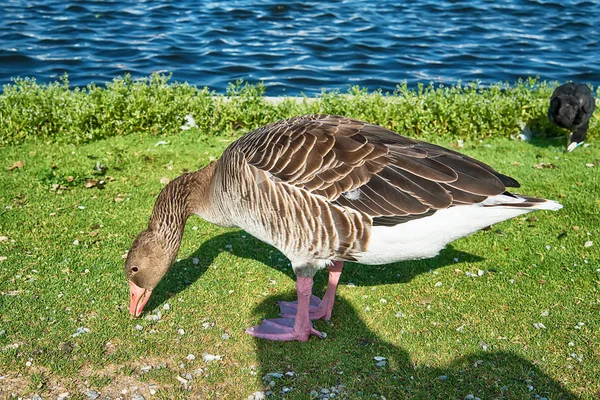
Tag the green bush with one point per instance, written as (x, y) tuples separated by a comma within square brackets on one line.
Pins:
[(57, 112)]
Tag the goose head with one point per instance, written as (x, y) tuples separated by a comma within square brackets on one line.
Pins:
[(147, 263)]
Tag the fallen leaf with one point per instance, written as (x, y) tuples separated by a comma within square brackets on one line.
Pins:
[(544, 165), (90, 183), (18, 164), (517, 164), (70, 178)]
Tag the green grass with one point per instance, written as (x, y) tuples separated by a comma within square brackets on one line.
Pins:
[(477, 332)]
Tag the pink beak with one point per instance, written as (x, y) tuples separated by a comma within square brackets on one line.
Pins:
[(138, 299)]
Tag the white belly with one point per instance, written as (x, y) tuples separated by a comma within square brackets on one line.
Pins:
[(425, 237)]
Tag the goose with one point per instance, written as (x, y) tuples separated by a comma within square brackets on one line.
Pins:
[(571, 107), (323, 190)]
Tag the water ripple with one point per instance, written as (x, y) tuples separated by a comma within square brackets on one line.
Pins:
[(305, 46)]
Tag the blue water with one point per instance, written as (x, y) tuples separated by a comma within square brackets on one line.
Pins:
[(297, 47)]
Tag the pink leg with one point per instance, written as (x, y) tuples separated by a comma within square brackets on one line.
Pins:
[(299, 328), (318, 308)]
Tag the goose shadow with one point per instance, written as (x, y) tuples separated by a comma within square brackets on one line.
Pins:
[(241, 244), (344, 364)]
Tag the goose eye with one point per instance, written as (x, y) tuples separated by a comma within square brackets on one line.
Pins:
[(134, 269)]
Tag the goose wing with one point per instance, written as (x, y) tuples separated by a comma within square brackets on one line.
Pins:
[(367, 167)]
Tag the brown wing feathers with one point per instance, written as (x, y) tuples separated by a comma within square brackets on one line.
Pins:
[(369, 168)]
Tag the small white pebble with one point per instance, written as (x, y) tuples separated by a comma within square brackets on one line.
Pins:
[(460, 328), (571, 344), (455, 259), (367, 309), (589, 243), (183, 381), (545, 313), (166, 306), (210, 357), (383, 301), (190, 357), (480, 272), (400, 314), (257, 396), (225, 336), (76, 242), (81, 207), (195, 261), (194, 228), (589, 165), (379, 358), (180, 331), (28, 364), (539, 325), (512, 281), (139, 327), (548, 247), (438, 284)]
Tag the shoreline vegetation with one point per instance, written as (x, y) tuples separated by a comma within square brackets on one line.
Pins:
[(155, 105)]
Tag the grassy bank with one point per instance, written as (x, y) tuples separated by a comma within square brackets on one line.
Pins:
[(465, 322), (57, 112)]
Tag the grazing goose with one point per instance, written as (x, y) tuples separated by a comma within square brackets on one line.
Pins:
[(325, 189), (571, 107)]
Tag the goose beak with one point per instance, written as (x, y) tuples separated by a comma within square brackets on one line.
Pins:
[(137, 299)]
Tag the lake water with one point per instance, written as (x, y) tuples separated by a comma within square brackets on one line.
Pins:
[(297, 47)]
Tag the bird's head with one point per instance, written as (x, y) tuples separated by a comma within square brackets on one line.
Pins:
[(567, 113), (147, 263)]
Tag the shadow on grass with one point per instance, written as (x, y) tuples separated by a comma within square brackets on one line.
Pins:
[(546, 134), (184, 272), (344, 361)]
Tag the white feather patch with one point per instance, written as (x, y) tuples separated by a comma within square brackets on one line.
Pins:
[(425, 237), (352, 194)]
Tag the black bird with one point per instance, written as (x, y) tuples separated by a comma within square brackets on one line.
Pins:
[(571, 107)]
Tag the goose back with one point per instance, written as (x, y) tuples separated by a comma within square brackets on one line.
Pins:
[(315, 185)]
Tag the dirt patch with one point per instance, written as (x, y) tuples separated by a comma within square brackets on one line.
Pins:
[(115, 381)]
